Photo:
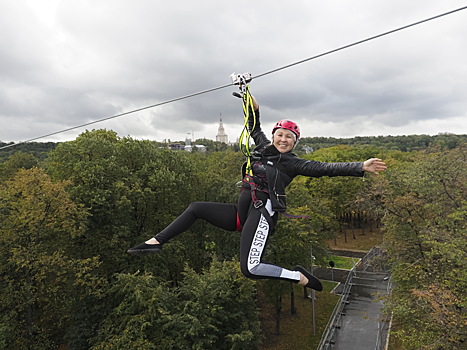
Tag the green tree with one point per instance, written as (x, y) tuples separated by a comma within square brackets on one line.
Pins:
[(41, 278), (38, 150), (426, 231), (219, 310), (339, 194), (211, 310), (16, 161), (132, 190), (218, 175)]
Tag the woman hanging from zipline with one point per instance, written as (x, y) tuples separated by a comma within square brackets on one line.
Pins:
[(269, 169)]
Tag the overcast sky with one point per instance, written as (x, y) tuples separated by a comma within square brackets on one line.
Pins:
[(66, 63)]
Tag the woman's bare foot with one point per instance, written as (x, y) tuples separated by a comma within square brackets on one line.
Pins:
[(307, 279), (152, 241), (303, 280), (151, 246)]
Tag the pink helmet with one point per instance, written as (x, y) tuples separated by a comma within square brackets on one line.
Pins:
[(288, 125)]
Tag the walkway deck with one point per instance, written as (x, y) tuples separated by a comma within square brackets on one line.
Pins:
[(358, 322), (362, 325)]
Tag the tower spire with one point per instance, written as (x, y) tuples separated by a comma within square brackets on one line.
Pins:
[(221, 135)]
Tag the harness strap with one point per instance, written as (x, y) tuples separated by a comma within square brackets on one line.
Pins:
[(244, 140), (250, 180), (268, 218), (258, 203)]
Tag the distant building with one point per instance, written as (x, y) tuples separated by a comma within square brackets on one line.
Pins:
[(199, 148), (176, 146), (221, 135), (189, 147)]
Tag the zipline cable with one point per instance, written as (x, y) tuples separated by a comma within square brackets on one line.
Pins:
[(255, 77), (360, 42), (120, 115)]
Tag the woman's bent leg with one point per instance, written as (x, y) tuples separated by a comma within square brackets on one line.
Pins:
[(255, 234), (222, 215)]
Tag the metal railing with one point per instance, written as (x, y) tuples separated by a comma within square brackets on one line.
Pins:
[(335, 319)]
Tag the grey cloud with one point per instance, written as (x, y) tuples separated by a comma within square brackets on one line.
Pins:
[(84, 61)]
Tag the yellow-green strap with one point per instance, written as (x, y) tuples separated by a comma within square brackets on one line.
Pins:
[(244, 140)]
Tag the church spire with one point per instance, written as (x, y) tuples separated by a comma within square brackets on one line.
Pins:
[(221, 135)]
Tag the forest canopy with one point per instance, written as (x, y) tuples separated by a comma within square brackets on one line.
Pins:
[(69, 212)]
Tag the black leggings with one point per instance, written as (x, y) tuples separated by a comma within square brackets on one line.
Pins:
[(255, 228)]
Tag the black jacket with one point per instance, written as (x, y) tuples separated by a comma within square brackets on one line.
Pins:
[(281, 168)]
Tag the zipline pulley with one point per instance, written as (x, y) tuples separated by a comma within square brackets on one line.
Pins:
[(241, 79)]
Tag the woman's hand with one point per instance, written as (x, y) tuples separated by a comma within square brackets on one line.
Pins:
[(374, 165)]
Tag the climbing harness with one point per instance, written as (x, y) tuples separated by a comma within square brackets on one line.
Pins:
[(250, 180)]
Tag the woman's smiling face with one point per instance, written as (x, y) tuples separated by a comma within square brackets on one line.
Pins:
[(284, 140)]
